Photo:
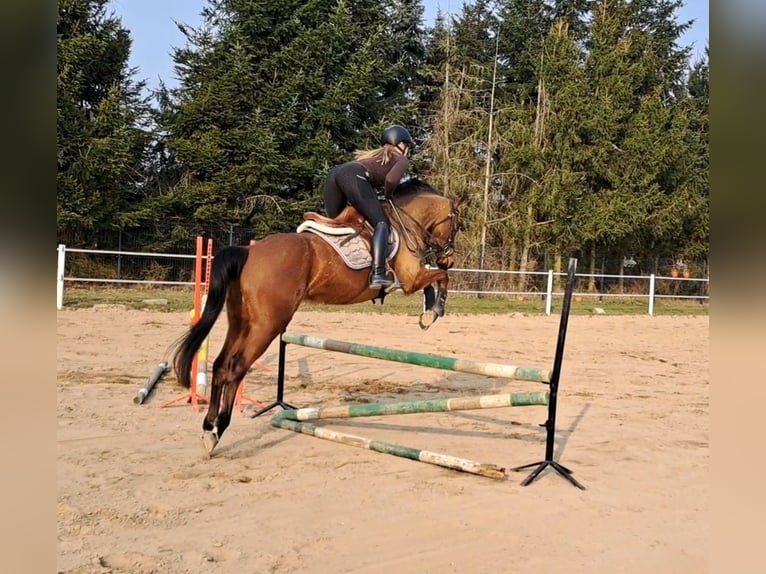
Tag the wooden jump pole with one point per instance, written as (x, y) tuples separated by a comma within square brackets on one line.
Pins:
[(424, 406), (421, 359), (148, 387), (445, 460)]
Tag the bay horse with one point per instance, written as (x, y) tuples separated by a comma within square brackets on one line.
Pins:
[(263, 285)]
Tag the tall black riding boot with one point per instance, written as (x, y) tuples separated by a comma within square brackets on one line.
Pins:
[(378, 277)]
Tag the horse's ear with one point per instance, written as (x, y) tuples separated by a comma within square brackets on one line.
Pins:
[(459, 200)]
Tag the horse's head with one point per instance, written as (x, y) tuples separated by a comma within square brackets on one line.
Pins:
[(437, 217)]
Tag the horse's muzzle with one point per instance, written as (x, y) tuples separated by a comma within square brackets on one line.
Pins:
[(445, 263)]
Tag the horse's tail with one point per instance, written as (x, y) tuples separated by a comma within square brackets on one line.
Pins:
[(227, 267)]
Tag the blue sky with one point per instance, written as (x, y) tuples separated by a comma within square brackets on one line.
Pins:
[(154, 34)]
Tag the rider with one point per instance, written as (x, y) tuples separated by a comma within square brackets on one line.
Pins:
[(353, 183)]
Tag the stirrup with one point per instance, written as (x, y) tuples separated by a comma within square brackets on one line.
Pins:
[(380, 281)]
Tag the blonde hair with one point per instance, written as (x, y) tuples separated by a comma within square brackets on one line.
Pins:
[(382, 154)]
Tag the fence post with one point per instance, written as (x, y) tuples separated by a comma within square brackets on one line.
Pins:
[(651, 295), (60, 276), (119, 255), (549, 293)]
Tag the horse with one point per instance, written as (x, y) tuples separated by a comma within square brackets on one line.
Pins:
[(264, 283)]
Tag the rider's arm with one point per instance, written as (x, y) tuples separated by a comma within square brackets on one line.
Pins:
[(394, 176)]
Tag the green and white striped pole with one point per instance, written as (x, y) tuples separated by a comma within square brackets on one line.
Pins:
[(424, 360)]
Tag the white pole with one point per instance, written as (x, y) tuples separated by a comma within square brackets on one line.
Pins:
[(651, 294), (488, 168), (60, 276), (202, 354), (549, 293)]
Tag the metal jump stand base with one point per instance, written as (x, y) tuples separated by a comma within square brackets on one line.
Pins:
[(541, 466), (280, 402), (273, 405)]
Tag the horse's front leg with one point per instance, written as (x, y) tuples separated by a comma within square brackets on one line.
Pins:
[(434, 302)]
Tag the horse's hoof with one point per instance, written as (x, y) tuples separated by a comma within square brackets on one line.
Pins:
[(209, 440), (427, 318)]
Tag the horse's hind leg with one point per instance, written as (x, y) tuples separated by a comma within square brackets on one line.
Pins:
[(235, 334), (209, 434), (234, 365)]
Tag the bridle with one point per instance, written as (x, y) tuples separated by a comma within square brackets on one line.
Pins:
[(432, 247)]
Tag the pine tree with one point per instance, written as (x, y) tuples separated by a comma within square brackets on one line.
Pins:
[(272, 95), (631, 130), (689, 210), (524, 25), (555, 201), (101, 143), (460, 58), (405, 52), (697, 222)]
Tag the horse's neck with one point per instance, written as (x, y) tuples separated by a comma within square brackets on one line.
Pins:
[(416, 214)]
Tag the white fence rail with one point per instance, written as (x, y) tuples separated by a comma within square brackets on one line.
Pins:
[(463, 281)]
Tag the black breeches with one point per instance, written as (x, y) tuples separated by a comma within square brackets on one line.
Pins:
[(347, 183)]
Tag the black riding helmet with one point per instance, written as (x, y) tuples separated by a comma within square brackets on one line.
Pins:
[(395, 135)]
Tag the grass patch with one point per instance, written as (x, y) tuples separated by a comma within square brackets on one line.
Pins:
[(181, 299), (178, 298)]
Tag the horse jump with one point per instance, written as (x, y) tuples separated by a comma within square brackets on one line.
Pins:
[(291, 418), (262, 286)]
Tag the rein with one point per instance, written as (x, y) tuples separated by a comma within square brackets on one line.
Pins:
[(432, 247)]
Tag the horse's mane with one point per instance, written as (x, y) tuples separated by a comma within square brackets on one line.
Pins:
[(413, 186)]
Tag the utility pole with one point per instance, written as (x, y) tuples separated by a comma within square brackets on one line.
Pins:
[(487, 170)]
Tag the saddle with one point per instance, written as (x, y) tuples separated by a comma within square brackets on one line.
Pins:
[(348, 221), (349, 234)]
